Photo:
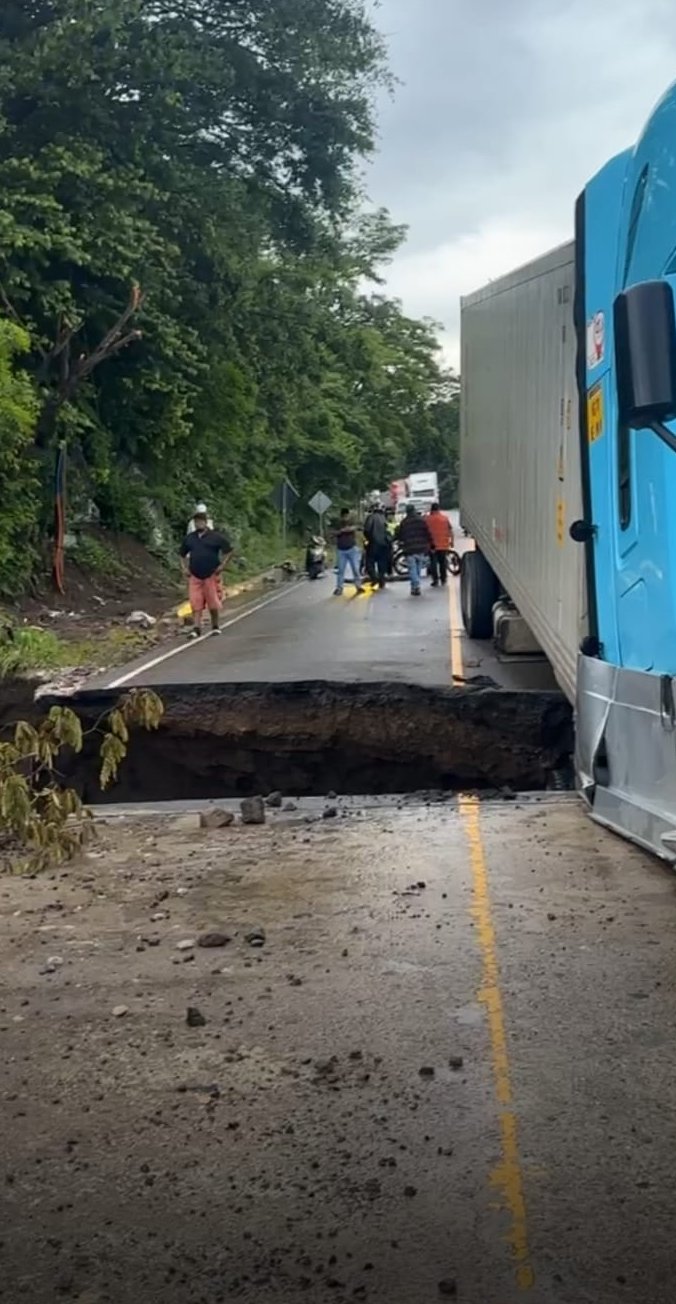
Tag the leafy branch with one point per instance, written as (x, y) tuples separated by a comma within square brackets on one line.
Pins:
[(40, 818)]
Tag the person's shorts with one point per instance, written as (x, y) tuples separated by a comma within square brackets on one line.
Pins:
[(205, 595)]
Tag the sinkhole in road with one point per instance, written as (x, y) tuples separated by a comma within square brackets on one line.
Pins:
[(309, 738)]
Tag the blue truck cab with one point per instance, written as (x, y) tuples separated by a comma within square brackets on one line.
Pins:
[(625, 251)]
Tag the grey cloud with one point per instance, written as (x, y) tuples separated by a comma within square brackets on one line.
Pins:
[(505, 109)]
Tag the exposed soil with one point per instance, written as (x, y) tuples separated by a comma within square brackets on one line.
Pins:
[(308, 738), (94, 602)]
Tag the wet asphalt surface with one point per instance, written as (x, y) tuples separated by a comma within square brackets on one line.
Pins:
[(446, 1072), (300, 631)]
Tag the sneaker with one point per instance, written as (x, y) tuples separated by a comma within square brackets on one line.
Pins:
[(416, 593), (215, 633), (337, 593), (195, 633)]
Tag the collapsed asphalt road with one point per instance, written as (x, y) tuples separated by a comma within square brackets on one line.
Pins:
[(227, 740), (311, 694)]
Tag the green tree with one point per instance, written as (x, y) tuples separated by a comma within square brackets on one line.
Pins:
[(18, 479), (183, 241)]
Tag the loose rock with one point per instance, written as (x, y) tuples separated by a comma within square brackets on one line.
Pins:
[(330, 813), (187, 944), (253, 810), (119, 1011), (274, 800), (290, 806), (216, 819), (426, 1071), (194, 1017), (213, 940), (255, 937), (141, 620), (456, 1062), (410, 1192)]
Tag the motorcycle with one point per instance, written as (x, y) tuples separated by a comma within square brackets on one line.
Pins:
[(399, 562), (315, 557)]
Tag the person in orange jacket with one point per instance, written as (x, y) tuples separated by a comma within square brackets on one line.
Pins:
[(441, 532)]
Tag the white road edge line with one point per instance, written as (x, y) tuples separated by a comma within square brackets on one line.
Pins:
[(190, 647)]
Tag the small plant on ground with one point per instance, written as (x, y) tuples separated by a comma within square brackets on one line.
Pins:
[(99, 558), (42, 822)]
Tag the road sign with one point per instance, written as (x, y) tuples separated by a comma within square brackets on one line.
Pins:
[(320, 503), (284, 496)]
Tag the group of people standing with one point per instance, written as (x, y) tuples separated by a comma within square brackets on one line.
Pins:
[(424, 540)]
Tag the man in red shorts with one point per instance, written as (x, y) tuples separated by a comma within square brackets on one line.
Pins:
[(204, 554)]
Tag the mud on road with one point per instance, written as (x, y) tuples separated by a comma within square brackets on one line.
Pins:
[(285, 1145), (306, 1107)]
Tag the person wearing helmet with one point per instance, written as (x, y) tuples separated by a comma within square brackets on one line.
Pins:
[(204, 553), (200, 512), (378, 546)]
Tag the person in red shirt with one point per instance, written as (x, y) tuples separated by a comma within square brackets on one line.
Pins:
[(441, 532)]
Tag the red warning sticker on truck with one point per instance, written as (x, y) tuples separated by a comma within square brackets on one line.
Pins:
[(596, 340)]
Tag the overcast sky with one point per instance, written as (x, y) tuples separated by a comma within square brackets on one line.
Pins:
[(505, 109)]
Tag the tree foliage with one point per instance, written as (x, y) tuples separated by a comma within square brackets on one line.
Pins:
[(208, 152), (18, 478)]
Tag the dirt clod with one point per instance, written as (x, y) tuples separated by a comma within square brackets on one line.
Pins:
[(255, 937), (216, 819), (253, 810), (211, 941), (448, 1287), (194, 1017)]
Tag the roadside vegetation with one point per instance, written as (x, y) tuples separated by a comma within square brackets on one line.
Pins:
[(191, 300), (27, 649), (43, 822)]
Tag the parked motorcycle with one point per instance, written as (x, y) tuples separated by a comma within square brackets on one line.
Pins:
[(399, 562), (454, 562), (315, 557)]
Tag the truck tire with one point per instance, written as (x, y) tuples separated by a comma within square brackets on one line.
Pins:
[(479, 590)]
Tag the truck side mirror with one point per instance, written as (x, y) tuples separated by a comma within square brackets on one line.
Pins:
[(645, 354)]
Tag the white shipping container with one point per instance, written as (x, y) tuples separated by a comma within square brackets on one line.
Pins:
[(520, 484)]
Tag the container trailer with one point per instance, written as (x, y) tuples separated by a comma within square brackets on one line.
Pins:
[(568, 476)]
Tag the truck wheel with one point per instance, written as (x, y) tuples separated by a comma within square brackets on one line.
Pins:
[(479, 590)]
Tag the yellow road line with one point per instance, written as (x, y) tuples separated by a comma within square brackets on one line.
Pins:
[(457, 667), (507, 1177)]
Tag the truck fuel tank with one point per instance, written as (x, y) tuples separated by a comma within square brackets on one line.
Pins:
[(511, 633)]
